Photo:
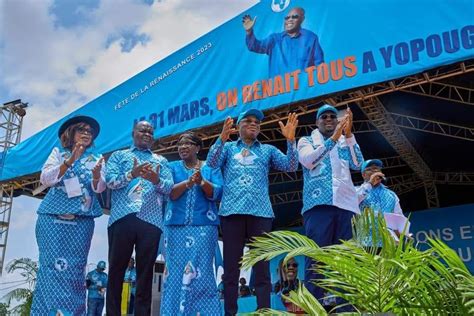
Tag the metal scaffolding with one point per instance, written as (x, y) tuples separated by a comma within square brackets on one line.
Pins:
[(11, 120), (431, 83)]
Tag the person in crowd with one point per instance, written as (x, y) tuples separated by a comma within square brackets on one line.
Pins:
[(140, 181), (131, 278), (373, 194), (293, 49), (65, 224), (245, 210), (191, 231), (220, 287), (96, 283), (288, 278), (244, 289), (329, 196)]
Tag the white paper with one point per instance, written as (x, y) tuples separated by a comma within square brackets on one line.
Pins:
[(397, 222), (73, 187)]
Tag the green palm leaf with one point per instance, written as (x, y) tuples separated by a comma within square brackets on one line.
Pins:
[(398, 278)]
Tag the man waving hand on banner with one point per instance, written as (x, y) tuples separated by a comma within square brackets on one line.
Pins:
[(246, 210), (295, 48)]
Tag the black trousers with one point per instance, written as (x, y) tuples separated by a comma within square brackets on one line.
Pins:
[(125, 234), (236, 230)]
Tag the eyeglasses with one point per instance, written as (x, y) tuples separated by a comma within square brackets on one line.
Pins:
[(331, 116), (186, 144), (84, 131), (294, 17), (292, 265)]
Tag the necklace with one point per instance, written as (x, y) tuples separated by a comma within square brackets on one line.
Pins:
[(197, 165)]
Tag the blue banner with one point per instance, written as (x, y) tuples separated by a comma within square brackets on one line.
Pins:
[(285, 51), (453, 225)]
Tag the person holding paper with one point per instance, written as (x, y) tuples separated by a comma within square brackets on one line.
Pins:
[(375, 195), (140, 181), (329, 196), (65, 224), (96, 282)]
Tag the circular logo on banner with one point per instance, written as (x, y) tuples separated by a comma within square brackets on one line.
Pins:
[(280, 5), (60, 264)]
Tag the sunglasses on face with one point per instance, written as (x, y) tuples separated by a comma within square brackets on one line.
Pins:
[(292, 265), (294, 17), (331, 116), (84, 131)]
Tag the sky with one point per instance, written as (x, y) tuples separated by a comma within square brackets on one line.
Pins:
[(57, 55)]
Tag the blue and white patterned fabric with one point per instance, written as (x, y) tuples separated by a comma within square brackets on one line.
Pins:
[(64, 246), (193, 207), (326, 171), (190, 283), (139, 195), (245, 170), (131, 277), (57, 201), (379, 199), (98, 280)]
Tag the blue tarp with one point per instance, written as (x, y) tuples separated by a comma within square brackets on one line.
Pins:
[(218, 76)]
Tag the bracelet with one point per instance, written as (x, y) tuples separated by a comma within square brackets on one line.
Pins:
[(66, 164)]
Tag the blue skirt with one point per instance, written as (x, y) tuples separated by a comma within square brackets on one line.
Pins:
[(190, 283), (63, 249)]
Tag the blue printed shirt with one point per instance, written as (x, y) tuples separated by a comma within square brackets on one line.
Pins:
[(56, 201), (326, 171), (379, 199), (138, 195), (193, 207), (98, 281), (286, 53), (245, 171)]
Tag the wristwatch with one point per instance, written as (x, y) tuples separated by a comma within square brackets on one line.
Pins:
[(202, 182), (129, 176)]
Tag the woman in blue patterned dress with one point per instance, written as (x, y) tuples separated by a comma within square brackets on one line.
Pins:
[(191, 223), (65, 221)]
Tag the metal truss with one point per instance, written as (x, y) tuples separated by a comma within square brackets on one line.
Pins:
[(11, 120), (434, 127), (443, 91), (339, 99), (383, 121), (6, 202), (454, 178), (167, 145)]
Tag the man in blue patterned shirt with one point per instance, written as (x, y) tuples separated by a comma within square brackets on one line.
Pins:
[(245, 209), (329, 196), (374, 194), (139, 180), (294, 49)]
